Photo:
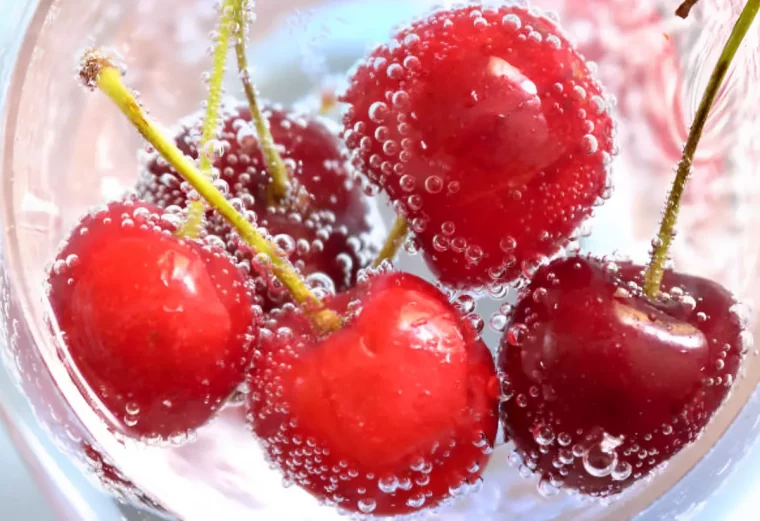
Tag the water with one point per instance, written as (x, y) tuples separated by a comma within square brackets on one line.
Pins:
[(223, 473)]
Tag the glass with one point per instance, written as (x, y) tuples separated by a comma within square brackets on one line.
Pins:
[(63, 151)]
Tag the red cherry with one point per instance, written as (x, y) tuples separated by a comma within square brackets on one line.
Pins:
[(328, 233), (393, 413), (159, 328), (490, 131), (606, 385)]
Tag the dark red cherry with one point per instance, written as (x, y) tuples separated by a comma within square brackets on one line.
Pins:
[(605, 385), (489, 131), (158, 328), (393, 413), (329, 231)]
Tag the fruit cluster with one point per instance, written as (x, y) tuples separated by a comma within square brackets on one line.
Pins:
[(366, 386)]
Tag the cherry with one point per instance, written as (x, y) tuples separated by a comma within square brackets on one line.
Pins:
[(328, 228), (394, 412), (159, 328), (605, 385), (489, 132)]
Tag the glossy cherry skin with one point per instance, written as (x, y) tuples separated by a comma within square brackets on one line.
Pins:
[(395, 412), (329, 230), (158, 328), (489, 131), (604, 385)]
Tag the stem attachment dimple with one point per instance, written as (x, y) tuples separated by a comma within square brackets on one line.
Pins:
[(278, 187), (97, 70), (196, 209), (656, 268), (392, 243)]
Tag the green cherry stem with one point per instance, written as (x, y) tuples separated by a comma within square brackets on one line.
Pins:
[(98, 71), (192, 226), (278, 186), (656, 268), (392, 243)]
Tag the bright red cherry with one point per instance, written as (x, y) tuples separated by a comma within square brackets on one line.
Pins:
[(328, 231), (605, 385), (489, 130), (159, 328), (393, 413)]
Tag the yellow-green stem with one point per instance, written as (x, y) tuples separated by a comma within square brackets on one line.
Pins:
[(392, 243), (195, 212), (656, 268), (97, 70), (278, 186)]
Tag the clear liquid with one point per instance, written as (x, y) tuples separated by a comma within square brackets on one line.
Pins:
[(222, 474)]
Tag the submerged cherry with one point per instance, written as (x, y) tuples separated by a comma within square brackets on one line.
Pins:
[(605, 385), (327, 229), (489, 132), (159, 328), (393, 413)]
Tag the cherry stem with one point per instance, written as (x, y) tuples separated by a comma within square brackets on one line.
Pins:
[(327, 103), (278, 186), (656, 268), (97, 70), (395, 237), (196, 210)]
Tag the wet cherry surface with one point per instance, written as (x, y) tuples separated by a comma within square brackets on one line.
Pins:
[(605, 385), (393, 413), (489, 131), (159, 328)]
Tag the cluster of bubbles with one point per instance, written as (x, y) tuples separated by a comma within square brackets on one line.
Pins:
[(328, 239), (315, 466), (387, 139), (594, 452)]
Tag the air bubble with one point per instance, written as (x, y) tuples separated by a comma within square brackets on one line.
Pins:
[(543, 435), (473, 254), (516, 334), (400, 100), (388, 484), (434, 184), (622, 471), (498, 322), (412, 63), (395, 71), (589, 144), (554, 41), (601, 459), (546, 488), (366, 505), (59, 266), (382, 134), (416, 501), (391, 148), (440, 243), (411, 40), (378, 112), (507, 244), (465, 304), (511, 21)]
